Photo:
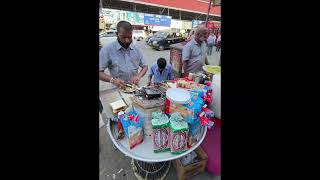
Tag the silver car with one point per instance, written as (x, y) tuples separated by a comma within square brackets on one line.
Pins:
[(108, 37)]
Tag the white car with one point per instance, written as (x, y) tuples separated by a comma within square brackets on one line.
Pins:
[(138, 35), (108, 37)]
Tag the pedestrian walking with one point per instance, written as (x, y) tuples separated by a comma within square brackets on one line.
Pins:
[(211, 41), (218, 43)]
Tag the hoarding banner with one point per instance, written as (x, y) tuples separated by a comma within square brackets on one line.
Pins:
[(177, 24), (157, 20), (135, 18), (112, 16), (195, 23), (186, 25)]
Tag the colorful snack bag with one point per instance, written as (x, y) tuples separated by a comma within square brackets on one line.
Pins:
[(195, 106), (132, 124), (135, 136), (120, 132), (161, 132), (209, 113), (178, 134), (195, 127), (176, 116), (157, 115), (205, 121)]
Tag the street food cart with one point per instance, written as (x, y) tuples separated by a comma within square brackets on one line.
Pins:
[(183, 96), (145, 163)]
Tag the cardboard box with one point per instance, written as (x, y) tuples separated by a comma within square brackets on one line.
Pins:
[(186, 172)]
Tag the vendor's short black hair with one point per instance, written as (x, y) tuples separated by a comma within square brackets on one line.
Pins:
[(125, 25), (162, 62)]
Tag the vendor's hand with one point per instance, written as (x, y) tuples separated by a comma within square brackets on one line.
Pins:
[(119, 83), (135, 80)]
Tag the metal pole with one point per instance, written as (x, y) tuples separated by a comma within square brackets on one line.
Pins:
[(168, 11), (100, 9), (208, 13), (161, 11)]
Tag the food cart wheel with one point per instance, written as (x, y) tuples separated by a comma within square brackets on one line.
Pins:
[(155, 171)]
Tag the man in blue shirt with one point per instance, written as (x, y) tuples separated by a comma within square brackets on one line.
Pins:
[(122, 58), (161, 71)]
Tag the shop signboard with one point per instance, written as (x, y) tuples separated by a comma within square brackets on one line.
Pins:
[(211, 24), (177, 24), (112, 16), (157, 20), (123, 15), (135, 18), (186, 25), (160, 28), (195, 23)]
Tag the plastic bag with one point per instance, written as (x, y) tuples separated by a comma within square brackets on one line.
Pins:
[(195, 127), (195, 106)]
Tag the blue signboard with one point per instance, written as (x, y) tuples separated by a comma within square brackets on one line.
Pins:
[(195, 23), (157, 20)]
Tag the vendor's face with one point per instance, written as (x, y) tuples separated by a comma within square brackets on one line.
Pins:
[(203, 37), (125, 37)]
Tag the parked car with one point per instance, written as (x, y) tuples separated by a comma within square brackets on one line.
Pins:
[(108, 33), (166, 42), (147, 39), (149, 36), (163, 39), (157, 37), (108, 37), (139, 35)]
